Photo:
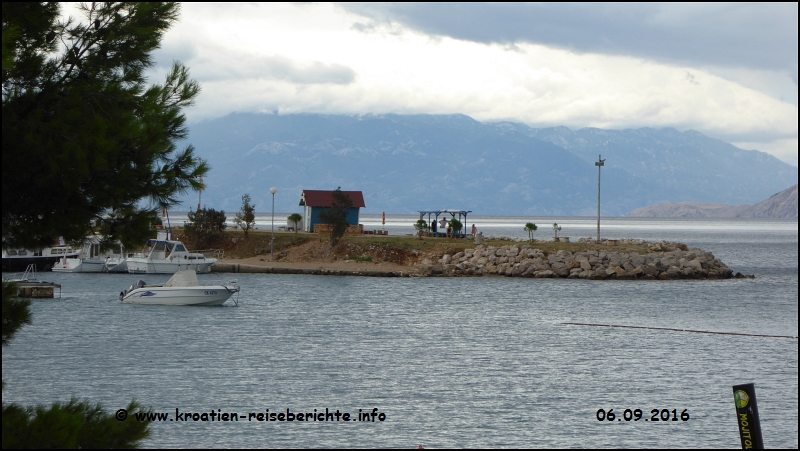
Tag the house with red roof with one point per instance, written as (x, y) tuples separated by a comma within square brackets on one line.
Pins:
[(315, 201)]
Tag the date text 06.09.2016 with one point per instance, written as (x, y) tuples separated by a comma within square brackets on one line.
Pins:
[(656, 415)]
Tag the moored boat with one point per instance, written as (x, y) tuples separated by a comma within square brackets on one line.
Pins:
[(93, 259), (42, 259), (183, 288), (116, 263), (167, 257)]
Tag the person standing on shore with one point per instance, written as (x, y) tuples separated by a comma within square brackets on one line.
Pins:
[(474, 230)]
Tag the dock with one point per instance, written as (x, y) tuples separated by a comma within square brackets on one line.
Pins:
[(31, 289)]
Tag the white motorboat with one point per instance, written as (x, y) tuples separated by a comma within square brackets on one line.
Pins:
[(116, 263), (92, 259), (182, 288), (167, 257)]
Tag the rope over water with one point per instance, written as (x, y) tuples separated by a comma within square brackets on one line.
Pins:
[(682, 330)]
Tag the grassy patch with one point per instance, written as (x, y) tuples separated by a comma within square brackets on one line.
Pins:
[(360, 258), (378, 248), (235, 245)]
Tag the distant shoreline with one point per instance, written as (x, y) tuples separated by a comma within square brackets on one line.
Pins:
[(782, 205)]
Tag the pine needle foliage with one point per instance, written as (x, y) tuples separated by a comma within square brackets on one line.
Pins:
[(85, 140), (75, 424), (85, 137)]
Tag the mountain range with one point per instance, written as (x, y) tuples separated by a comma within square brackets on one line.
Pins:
[(781, 205), (406, 163)]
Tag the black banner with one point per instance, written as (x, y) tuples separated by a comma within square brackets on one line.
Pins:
[(747, 416)]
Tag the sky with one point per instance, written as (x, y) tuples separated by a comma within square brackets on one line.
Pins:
[(728, 71)]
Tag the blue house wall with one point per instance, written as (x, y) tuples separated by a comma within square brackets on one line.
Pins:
[(352, 216)]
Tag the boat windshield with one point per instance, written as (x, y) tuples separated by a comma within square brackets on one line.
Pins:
[(154, 245)]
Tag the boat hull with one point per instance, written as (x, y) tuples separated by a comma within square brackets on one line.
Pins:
[(79, 265), (20, 263), (146, 266), (204, 295), (117, 265)]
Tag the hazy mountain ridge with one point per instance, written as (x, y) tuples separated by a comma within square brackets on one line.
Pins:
[(405, 163), (682, 166), (782, 205)]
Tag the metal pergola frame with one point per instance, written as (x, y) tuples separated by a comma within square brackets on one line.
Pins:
[(462, 217)]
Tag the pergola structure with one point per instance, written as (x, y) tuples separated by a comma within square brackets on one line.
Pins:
[(435, 230)]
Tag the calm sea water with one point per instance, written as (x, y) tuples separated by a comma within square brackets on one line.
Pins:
[(451, 362)]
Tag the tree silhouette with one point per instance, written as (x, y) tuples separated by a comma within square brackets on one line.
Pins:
[(295, 218), (336, 215), (421, 226), (530, 228), (456, 225), (556, 229), (85, 137), (246, 218)]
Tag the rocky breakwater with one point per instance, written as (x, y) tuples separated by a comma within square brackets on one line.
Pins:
[(657, 261)]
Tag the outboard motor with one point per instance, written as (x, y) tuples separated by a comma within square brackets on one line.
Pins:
[(139, 284)]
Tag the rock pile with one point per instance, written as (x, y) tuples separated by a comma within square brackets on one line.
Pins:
[(665, 261)]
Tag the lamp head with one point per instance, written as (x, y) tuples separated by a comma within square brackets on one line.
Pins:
[(273, 190)]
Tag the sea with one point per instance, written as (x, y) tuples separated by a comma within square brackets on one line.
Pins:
[(468, 362)]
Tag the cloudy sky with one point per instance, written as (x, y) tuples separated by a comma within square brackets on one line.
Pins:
[(726, 70)]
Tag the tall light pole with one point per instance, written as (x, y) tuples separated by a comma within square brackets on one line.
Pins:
[(600, 163), (202, 187), (272, 190)]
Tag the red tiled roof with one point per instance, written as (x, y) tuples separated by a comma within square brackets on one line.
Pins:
[(318, 198)]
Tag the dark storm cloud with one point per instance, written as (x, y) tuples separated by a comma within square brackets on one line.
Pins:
[(756, 36)]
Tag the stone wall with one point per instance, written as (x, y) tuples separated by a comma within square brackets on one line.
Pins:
[(664, 261)]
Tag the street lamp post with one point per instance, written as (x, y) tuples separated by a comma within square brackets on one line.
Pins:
[(600, 163), (272, 190)]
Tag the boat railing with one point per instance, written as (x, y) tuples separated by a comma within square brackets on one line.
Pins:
[(211, 253), (218, 282)]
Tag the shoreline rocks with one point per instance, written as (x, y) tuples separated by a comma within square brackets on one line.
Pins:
[(664, 261)]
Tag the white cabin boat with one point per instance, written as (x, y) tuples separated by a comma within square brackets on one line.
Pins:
[(167, 257), (92, 259), (182, 288), (41, 259)]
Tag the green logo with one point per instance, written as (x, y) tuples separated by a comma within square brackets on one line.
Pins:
[(741, 398)]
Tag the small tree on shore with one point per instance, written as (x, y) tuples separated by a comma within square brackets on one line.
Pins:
[(530, 228), (421, 226), (246, 218), (336, 216), (556, 229), (295, 218), (205, 225), (456, 225)]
